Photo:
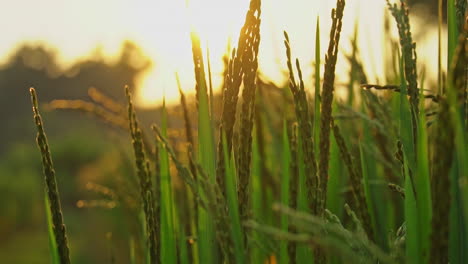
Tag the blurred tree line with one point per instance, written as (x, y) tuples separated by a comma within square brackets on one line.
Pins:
[(36, 66), (82, 151)]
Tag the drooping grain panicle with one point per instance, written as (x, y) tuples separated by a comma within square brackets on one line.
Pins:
[(104, 100), (247, 47), (184, 173), (216, 207), (144, 177), (356, 184), (301, 107), (353, 247), (408, 50), (207, 194), (96, 110), (250, 67), (397, 189), (358, 228), (327, 101), (443, 158), (53, 196)]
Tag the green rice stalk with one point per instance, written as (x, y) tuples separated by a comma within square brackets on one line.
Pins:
[(326, 107), (183, 253), (423, 188), (206, 155), (188, 123), (250, 66), (237, 237), (459, 206), (168, 249), (104, 100), (208, 196), (285, 192), (264, 173), (385, 134), (111, 248), (143, 172), (132, 247), (217, 209), (359, 196), (293, 187), (452, 27), (157, 193), (442, 162), (301, 107), (440, 73), (53, 196), (413, 246), (408, 50), (190, 203), (50, 230), (243, 56), (461, 11), (210, 82), (338, 183)]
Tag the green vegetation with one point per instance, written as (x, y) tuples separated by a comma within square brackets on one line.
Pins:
[(380, 178)]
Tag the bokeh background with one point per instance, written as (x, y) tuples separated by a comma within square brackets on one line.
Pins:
[(107, 45)]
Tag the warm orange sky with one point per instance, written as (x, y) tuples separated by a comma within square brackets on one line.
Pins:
[(161, 28)]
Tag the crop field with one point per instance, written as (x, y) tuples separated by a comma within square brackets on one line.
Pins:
[(267, 173)]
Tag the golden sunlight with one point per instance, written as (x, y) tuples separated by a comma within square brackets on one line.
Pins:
[(162, 29)]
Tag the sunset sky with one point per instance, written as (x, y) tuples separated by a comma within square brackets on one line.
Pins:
[(161, 28)]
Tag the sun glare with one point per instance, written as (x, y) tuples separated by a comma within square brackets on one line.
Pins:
[(162, 29)]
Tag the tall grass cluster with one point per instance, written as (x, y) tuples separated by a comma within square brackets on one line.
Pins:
[(281, 176)]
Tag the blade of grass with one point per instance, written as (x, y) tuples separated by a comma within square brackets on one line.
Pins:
[(50, 230), (452, 30), (411, 218), (206, 155), (285, 179), (456, 92), (167, 232), (423, 193), (232, 201)]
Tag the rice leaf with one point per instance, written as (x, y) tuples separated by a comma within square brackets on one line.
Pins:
[(232, 201), (167, 233), (206, 155)]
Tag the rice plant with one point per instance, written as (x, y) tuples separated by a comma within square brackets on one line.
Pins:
[(292, 176)]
